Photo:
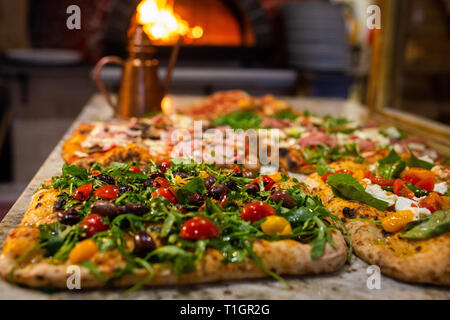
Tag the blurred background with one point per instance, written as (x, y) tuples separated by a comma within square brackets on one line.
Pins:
[(308, 48)]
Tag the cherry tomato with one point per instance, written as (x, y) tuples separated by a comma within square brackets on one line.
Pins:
[(83, 192), (379, 180), (160, 182), (163, 165), (135, 169), (426, 184), (398, 185), (199, 228), (432, 202), (166, 193), (267, 181), (326, 175), (223, 200), (108, 192), (94, 224), (368, 175), (255, 211), (414, 175), (95, 172)]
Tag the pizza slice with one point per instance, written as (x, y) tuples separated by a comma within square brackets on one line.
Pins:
[(397, 213), (170, 223)]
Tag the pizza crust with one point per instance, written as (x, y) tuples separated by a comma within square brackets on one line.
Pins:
[(424, 261)]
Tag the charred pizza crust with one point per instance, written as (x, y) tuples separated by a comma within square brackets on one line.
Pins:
[(424, 261), (286, 257)]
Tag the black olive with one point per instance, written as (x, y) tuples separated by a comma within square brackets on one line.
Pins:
[(69, 217), (154, 175), (248, 174), (231, 184), (217, 191), (288, 201), (134, 208), (151, 178), (143, 244), (105, 208), (237, 174), (123, 189), (252, 189), (105, 178), (182, 175), (196, 199), (209, 181), (59, 204)]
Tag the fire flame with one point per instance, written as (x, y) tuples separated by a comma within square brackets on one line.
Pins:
[(161, 23)]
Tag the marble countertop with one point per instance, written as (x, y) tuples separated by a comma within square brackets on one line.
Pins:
[(348, 283)]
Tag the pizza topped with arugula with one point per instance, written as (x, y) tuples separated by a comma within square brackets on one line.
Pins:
[(170, 223)]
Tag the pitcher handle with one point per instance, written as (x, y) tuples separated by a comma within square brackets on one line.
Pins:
[(98, 81)]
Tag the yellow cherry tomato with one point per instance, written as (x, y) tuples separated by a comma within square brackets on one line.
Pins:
[(83, 251), (276, 226), (276, 176), (397, 220)]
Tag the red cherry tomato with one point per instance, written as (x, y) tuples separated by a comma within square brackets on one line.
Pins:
[(199, 228), (267, 181), (379, 180), (83, 192), (398, 185), (94, 224), (432, 202), (95, 173), (223, 200), (163, 165), (255, 211), (135, 169), (160, 182), (426, 184), (108, 192), (326, 175), (166, 193)]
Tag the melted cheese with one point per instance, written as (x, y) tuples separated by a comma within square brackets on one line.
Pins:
[(411, 205), (376, 191), (441, 187)]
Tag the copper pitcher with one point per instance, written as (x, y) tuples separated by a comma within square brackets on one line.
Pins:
[(140, 91)]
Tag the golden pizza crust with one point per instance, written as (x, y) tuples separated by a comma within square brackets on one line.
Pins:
[(424, 261), (285, 257)]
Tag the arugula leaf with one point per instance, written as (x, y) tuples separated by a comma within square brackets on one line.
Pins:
[(347, 187), (239, 120), (196, 185), (391, 166), (432, 226), (286, 114), (298, 215), (323, 168), (414, 162)]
